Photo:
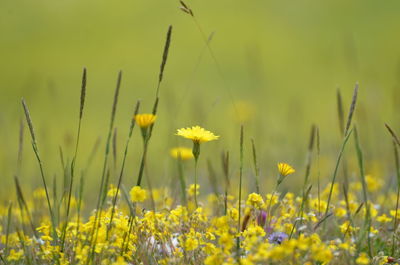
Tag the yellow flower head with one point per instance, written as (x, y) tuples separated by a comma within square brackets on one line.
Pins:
[(194, 189), (191, 244), (112, 191), (145, 120), (285, 169), (197, 134), (255, 200), (183, 153), (138, 194), (362, 259)]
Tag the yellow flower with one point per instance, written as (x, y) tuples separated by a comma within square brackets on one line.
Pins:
[(183, 153), (393, 213), (255, 200), (112, 191), (197, 134), (145, 120), (138, 194), (362, 259), (373, 184), (194, 188), (39, 193), (285, 169), (120, 261), (383, 219), (191, 244), (15, 255), (340, 212)]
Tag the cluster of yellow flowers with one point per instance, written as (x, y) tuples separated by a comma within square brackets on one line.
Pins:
[(184, 234), (152, 226)]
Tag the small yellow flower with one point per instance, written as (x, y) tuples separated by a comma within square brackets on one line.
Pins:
[(383, 219), (112, 191), (192, 189), (191, 244), (39, 193), (255, 200), (362, 259), (145, 120), (285, 169), (183, 153), (393, 213), (138, 194), (120, 261), (197, 134), (15, 255)]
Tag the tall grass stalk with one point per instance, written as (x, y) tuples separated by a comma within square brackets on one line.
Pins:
[(121, 173), (36, 151), (240, 193), (114, 149), (102, 189), (396, 143), (319, 171), (347, 133), (341, 130), (23, 206), (306, 186), (225, 167), (256, 167), (81, 108), (155, 106), (395, 221), (367, 221)]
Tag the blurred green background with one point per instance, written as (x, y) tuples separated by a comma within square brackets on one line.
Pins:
[(282, 61)]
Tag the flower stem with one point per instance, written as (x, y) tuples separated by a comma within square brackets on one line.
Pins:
[(195, 182)]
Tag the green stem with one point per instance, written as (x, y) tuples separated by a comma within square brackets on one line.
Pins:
[(345, 140), (195, 182)]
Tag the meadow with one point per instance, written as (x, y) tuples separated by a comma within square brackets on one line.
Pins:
[(199, 133)]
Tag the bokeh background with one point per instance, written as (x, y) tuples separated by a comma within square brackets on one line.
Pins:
[(282, 63)]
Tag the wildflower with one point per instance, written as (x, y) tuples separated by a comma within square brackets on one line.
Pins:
[(373, 184), (145, 120), (183, 153), (383, 219), (284, 170), (255, 200), (39, 193), (120, 261), (277, 237), (138, 194), (262, 218), (15, 255), (340, 212), (226, 241), (112, 191), (233, 213), (191, 244), (362, 259), (395, 213), (194, 190), (197, 134)]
